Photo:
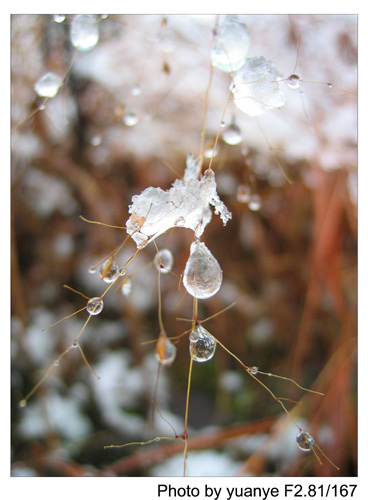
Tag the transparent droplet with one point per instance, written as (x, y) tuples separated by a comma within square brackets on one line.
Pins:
[(42, 106), (231, 46), (305, 441), (294, 81), (164, 261), (329, 85), (22, 404), (253, 370), (92, 270), (210, 150), (232, 134), (126, 287), (255, 202), (202, 274), (94, 306), (136, 90), (84, 33), (243, 193), (222, 124), (59, 18), (202, 344), (48, 85), (96, 140), (56, 362), (109, 271), (165, 350), (130, 118), (75, 344)]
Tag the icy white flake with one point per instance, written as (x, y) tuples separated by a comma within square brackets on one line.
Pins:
[(185, 204), (255, 87)]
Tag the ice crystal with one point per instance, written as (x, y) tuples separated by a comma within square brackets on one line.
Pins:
[(231, 47), (185, 204), (255, 87)]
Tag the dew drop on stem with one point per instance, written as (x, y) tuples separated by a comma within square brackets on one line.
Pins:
[(202, 344), (94, 306), (202, 274)]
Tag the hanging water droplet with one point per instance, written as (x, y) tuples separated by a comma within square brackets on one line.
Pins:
[(165, 352), (231, 46), (42, 106), (94, 306), (109, 271), (59, 18), (202, 274), (222, 124), (294, 81), (253, 370), (56, 362), (92, 270), (130, 118), (22, 404), (202, 344), (164, 261), (329, 85), (48, 85), (136, 90), (243, 193), (255, 202), (210, 150), (96, 140), (126, 287), (232, 134), (84, 33), (75, 344), (305, 441)]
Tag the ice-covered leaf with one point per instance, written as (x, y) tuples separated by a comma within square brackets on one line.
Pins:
[(185, 204), (255, 87)]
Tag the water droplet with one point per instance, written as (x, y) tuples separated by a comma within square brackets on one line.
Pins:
[(231, 46), (253, 370), (294, 81), (56, 362), (94, 306), (222, 124), (22, 404), (210, 151), (232, 134), (59, 18), (75, 344), (136, 90), (96, 140), (48, 85), (42, 106), (243, 193), (202, 274), (130, 118), (109, 271), (255, 202), (329, 85), (164, 261), (92, 270), (126, 287), (304, 441), (165, 350), (84, 33), (104, 16), (202, 344)]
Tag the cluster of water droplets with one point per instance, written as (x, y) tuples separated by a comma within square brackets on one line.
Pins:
[(305, 441), (202, 344), (164, 261), (231, 44), (84, 32), (202, 276)]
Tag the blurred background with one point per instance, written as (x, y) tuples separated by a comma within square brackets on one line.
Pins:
[(128, 113)]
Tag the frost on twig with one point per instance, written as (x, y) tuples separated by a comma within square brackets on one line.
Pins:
[(185, 204), (255, 87)]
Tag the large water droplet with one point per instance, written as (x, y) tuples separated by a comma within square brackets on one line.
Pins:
[(48, 85), (94, 306), (109, 271), (84, 33), (231, 47), (165, 350), (232, 134), (304, 441), (202, 274), (294, 81), (164, 261), (202, 344), (130, 118)]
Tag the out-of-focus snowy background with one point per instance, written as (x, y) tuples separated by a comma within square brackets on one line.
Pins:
[(289, 263)]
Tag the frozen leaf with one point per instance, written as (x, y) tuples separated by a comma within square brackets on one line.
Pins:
[(255, 87), (185, 204)]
